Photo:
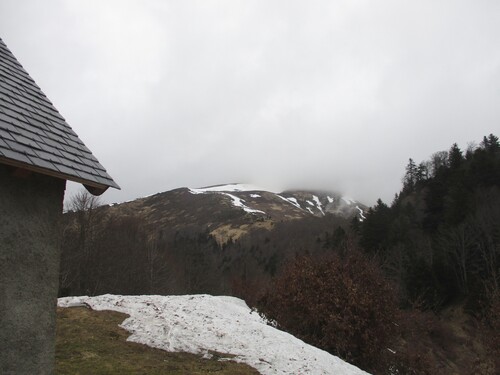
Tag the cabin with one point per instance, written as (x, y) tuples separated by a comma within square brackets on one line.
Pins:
[(39, 152)]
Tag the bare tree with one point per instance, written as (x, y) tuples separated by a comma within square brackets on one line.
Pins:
[(156, 264), (486, 221), (438, 160), (78, 266), (459, 243)]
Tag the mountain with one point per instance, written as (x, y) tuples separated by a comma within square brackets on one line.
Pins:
[(230, 211), (265, 202), (198, 240)]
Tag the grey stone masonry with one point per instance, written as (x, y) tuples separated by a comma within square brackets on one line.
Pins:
[(30, 213), (35, 136)]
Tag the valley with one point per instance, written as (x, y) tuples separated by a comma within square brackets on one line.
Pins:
[(205, 240)]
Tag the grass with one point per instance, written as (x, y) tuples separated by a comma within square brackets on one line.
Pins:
[(91, 342)]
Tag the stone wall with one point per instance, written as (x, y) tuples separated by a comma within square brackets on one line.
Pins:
[(30, 212)]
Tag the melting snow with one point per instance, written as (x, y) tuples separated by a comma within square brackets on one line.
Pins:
[(330, 199), (226, 188), (290, 200), (255, 195), (202, 323), (318, 204), (238, 202), (361, 213), (294, 201)]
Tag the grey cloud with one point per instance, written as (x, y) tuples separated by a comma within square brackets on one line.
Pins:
[(319, 94)]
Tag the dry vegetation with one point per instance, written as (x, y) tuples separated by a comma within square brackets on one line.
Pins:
[(91, 342), (345, 306)]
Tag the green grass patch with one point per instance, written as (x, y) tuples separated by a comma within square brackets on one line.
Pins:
[(91, 342)]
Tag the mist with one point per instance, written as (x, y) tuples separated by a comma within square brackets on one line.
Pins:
[(287, 94)]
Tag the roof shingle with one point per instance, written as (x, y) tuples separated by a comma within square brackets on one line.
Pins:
[(33, 134)]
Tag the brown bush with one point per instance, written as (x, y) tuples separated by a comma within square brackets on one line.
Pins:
[(491, 333), (414, 349), (342, 305)]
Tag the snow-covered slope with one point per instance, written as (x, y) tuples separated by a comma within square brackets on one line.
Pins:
[(202, 324), (227, 188), (255, 200)]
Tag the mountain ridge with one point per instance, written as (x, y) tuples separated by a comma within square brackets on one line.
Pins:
[(230, 211), (204, 240)]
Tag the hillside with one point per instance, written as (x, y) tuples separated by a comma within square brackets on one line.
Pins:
[(206, 240), (439, 239), (207, 325), (90, 342), (230, 211)]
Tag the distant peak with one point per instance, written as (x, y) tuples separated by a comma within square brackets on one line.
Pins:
[(233, 187)]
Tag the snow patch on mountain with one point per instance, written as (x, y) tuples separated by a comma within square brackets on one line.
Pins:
[(290, 200), (361, 213), (202, 324), (226, 188), (238, 202), (295, 201), (318, 204)]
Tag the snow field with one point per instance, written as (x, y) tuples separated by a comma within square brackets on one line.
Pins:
[(226, 188), (202, 324)]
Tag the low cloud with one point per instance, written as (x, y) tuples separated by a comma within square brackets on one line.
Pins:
[(330, 95)]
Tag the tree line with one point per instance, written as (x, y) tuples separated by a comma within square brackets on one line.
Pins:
[(440, 237), (377, 300), (120, 252)]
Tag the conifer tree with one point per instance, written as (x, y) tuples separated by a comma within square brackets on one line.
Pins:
[(422, 172), (490, 143), (455, 157), (410, 177)]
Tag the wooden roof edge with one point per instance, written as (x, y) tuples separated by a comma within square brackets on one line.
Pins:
[(93, 187)]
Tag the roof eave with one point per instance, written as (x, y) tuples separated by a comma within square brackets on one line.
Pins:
[(93, 187)]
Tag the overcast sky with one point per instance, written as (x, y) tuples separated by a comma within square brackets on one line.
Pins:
[(317, 94)]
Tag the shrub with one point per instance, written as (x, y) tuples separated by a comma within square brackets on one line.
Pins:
[(491, 333), (340, 304)]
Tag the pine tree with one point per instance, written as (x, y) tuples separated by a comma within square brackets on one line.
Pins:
[(455, 157), (410, 177), (422, 172), (490, 143)]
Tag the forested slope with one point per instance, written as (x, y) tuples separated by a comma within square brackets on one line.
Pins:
[(440, 237)]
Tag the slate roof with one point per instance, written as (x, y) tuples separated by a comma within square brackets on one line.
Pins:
[(34, 136)]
